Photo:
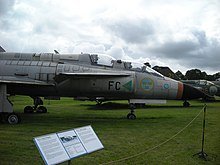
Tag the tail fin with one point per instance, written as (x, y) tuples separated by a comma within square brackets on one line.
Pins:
[(2, 50)]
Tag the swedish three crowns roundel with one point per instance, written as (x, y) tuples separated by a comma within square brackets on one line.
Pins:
[(147, 84)]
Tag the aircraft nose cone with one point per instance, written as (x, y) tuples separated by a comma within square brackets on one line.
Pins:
[(190, 92)]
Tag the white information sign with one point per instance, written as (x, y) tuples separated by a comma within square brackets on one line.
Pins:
[(63, 146), (89, 139), (51, 149)]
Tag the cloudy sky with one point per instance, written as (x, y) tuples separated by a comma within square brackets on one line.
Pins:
[(180, 34)]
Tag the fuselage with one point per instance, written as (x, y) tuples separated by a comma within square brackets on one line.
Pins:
[(73, 75)]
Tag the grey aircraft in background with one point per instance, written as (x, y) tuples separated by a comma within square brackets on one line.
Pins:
[(209, 87), (93, 76)]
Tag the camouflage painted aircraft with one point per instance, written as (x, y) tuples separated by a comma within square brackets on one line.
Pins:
[(82, 75), (208, 87)]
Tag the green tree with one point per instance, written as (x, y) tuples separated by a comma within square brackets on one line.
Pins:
[(195, 74), (180, 75)]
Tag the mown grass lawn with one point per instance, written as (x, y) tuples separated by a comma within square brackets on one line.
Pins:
[(121, 138)]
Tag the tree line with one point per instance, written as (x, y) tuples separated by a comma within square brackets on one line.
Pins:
[(196, 74)]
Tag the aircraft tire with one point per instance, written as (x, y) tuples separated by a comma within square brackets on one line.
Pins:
[(186, 104), (28, 109), (131, 116), (13, 118), (41, 109)]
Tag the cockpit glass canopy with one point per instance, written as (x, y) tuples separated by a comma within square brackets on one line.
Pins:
[(205, 82), (137, 66), (106, 60), (102, 59)]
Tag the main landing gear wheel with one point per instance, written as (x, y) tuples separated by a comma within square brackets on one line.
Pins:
[(186, 104), (28, 109), (13, 118), (131, 116), (41, 109), (6, 107), (37, 102), (99, 102)]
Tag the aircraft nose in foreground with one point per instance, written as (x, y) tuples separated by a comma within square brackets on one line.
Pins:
[(190, 92)]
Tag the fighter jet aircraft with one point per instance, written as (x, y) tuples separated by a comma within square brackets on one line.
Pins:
[(82, 75), (208, 87)]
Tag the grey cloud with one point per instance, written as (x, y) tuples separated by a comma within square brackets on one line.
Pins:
[(5, 6), (203, 54), (131, 31), (185, 48), (176, 50), (5, 24), (208, 57), (201, 37)]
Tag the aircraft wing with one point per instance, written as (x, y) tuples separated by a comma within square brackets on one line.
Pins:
[(21, 80), (63, 76), (105, 74)]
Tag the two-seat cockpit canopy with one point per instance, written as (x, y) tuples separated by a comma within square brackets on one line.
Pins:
[(106, 60)]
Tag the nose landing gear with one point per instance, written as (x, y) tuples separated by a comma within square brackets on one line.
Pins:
[(186, 104), (131, 115)]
